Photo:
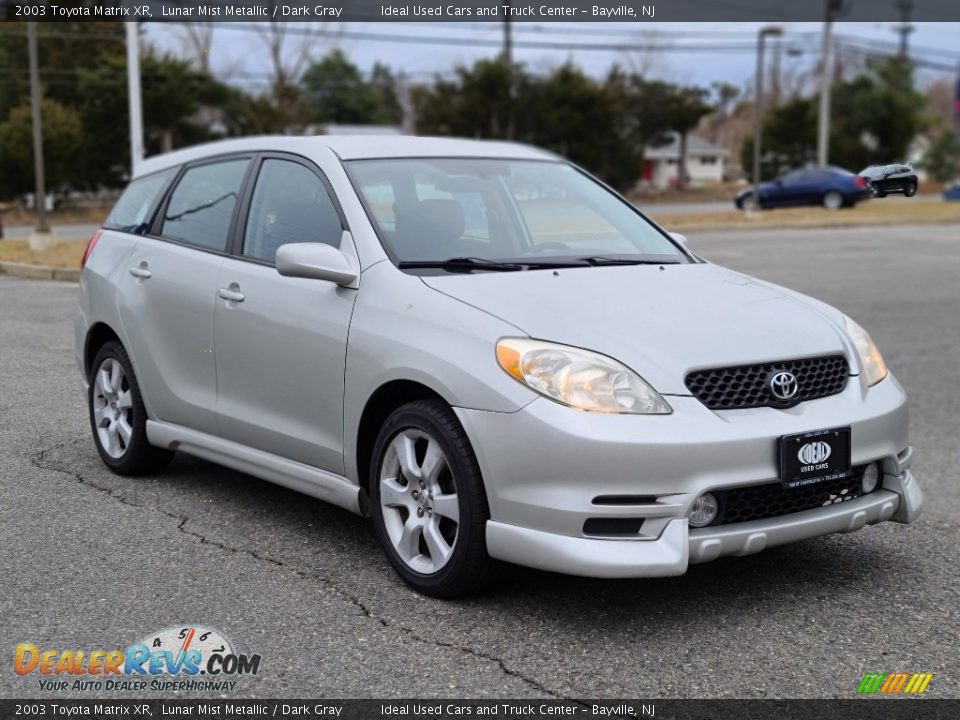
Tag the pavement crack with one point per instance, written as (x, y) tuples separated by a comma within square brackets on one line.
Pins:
[(42, 461)]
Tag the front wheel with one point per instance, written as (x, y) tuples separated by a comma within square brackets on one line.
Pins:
[(428, 502), (833, 200), (118, 417)]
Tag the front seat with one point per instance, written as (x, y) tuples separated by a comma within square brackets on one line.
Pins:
[(429, 229)]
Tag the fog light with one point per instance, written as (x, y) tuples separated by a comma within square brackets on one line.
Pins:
[(870, 478), (704, 510)]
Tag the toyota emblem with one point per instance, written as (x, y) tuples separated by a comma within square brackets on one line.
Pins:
[(783, 385)]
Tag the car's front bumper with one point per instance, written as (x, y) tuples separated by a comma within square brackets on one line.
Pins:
[(546, 465), (679, 545)]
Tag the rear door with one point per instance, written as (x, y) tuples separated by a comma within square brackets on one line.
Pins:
[(171, 285), (281, 342)]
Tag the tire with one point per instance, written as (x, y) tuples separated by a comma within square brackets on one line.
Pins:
[(881, 194), (910, 190), (832, 200), (432, 526), (749, 203), (118, 417)]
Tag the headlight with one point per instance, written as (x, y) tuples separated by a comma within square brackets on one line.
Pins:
[(874, 369), (578, 378)]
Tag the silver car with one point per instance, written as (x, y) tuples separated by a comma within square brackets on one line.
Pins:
[(485, 350)]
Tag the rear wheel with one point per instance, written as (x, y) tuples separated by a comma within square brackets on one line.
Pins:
[(749, 203), (910, 190), (118, 417), (833, 200), (428, 502)]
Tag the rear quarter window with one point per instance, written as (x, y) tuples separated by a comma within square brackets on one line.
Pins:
[(132, 212)]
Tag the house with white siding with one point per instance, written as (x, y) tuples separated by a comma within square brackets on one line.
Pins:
[(706, 162)]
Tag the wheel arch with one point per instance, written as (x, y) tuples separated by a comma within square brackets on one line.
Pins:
[(99, 334), (381, 403)]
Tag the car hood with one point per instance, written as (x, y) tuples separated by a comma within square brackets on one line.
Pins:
[(662, 323)]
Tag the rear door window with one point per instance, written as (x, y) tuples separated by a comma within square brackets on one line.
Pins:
[(132, 212), (201, 206)]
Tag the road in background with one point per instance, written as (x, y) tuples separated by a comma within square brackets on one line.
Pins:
[(96, 561), (63, 232), (698, 208), (84, 231)]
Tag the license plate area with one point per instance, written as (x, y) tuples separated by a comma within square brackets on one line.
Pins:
[(814, 457)]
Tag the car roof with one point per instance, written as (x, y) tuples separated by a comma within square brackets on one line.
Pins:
[(350, 147)]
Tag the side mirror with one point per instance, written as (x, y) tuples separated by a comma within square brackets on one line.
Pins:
[(317, 261), (682, 239)]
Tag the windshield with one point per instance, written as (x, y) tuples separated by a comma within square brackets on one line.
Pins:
[(525, 211)]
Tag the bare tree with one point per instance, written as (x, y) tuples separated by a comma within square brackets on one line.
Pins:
[(197, 39), (939, 105), (290, 46), (647, 59)]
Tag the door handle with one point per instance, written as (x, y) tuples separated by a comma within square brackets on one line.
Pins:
[(140, 271), (231, 294)]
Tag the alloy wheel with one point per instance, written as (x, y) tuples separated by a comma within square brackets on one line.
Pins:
[(418, 500), (832, 200), (112, 408)]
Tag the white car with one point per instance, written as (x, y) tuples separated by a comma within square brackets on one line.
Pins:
[(484, 349)]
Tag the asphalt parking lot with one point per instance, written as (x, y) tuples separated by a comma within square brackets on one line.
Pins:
[(95, 561)]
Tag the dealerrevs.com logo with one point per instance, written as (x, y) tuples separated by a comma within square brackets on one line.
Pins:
[(187, 658)]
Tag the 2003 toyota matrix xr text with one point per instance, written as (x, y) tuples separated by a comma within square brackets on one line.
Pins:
[(484, 349)]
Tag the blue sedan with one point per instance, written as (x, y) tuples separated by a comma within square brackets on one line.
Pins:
[(830, 187), (952, 192)]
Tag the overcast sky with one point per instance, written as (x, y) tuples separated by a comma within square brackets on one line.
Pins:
[(692, 53)]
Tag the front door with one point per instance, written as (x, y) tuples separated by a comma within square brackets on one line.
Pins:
[(281, 342)]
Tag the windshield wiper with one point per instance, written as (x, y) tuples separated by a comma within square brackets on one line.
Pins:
[(601, 260), (461, 264)]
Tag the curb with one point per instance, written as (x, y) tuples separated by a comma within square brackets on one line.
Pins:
[(39, 272)]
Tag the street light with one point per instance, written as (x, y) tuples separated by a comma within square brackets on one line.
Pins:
[(765, 32)]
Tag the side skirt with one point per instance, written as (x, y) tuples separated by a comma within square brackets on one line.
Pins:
[(323, 485)]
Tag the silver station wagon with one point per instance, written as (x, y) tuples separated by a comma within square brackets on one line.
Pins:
[(483, 349)]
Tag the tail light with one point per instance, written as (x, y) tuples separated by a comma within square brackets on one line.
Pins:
[(859, 182), (89, 249)]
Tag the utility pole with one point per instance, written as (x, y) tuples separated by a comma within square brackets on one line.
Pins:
[(40, 237), (508, 63), (775, 73), (904, 28), (133, 94), (769, 31), (826, 77), (956, 102)]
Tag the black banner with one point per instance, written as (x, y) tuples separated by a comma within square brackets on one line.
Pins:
[(635, 11), (862, 709)]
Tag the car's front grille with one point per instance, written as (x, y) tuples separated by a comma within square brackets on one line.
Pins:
[(747, 386), (758, 502)]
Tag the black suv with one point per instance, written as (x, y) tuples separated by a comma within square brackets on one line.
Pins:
[(885, 179)]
